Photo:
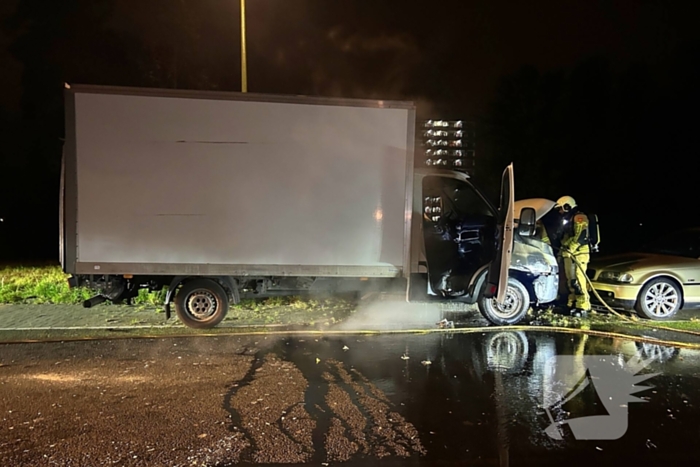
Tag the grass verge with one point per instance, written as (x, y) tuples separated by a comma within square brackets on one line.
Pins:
[(693, 324), (48, 285), (37, 284)]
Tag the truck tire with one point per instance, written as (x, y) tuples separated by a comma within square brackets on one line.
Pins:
[(517, 304), (201, 303)]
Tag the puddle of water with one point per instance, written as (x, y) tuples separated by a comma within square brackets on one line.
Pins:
[(426, 399), (480, 397)]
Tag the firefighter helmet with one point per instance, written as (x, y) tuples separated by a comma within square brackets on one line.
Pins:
[(567, 203)]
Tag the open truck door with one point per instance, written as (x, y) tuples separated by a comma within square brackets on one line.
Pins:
[(468, 245), (497, 282), (457, 228)]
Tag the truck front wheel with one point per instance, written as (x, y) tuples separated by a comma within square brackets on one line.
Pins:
[(201, 303), (514, 308)]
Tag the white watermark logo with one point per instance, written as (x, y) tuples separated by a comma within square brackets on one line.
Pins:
[(605, 383)]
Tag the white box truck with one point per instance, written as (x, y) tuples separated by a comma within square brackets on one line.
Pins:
[(217, 196)]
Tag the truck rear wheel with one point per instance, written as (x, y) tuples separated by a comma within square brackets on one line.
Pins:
[(201, 303)]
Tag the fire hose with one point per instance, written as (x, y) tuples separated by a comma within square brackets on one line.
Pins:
[(331, 332)]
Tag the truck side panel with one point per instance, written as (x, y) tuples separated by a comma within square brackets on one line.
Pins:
[(69, 192), (176, 185)]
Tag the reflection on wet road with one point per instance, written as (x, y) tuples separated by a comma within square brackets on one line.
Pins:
[(417, 399)]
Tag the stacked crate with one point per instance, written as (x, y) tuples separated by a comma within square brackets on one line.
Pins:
[(446, 144)]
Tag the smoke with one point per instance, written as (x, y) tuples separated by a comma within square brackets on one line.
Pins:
[(358, 43), (427, 109), (392, 314), (363, 65)]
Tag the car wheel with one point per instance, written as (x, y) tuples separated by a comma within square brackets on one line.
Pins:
[(201, 304), (660, 299), (514, 308)]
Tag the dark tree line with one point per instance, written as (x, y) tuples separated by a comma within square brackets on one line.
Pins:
[(621, 141)]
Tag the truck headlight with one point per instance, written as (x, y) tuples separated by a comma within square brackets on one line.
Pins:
[(613, 276)]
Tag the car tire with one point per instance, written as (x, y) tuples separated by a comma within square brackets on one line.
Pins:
[(201, 304), (517, 304), (659, 300)]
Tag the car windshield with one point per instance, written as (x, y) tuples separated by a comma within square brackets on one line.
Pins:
[(685, 243)]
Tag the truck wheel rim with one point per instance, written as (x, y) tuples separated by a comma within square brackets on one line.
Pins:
[(511, 304), (201, 304)]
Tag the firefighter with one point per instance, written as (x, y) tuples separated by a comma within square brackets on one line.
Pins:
[(575, 249)]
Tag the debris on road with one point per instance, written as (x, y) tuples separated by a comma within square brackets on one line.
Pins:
[(446, 324)]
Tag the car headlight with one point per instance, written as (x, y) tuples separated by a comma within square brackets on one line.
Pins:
[(616, 277)]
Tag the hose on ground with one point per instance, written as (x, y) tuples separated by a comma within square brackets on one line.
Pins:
[(332, 332)]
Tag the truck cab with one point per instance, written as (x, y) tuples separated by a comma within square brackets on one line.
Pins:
[(466, 252)]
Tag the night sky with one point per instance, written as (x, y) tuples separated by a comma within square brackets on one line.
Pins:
[(596, 99)]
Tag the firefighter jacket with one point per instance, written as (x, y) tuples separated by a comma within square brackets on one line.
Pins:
[(575, 238)]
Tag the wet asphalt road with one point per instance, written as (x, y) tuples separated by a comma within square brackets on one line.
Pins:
[(370, 400)]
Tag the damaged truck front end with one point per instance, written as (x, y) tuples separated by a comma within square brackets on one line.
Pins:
[(533, 257), (533, 279), (535, 265), (533, 272), (470, 244)]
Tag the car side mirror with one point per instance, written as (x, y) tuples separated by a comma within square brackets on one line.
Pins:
[(526, 224)]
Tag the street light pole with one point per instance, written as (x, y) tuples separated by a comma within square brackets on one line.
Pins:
[(244, 66)]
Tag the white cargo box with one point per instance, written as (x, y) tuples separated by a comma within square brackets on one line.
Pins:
[(196, 183)]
